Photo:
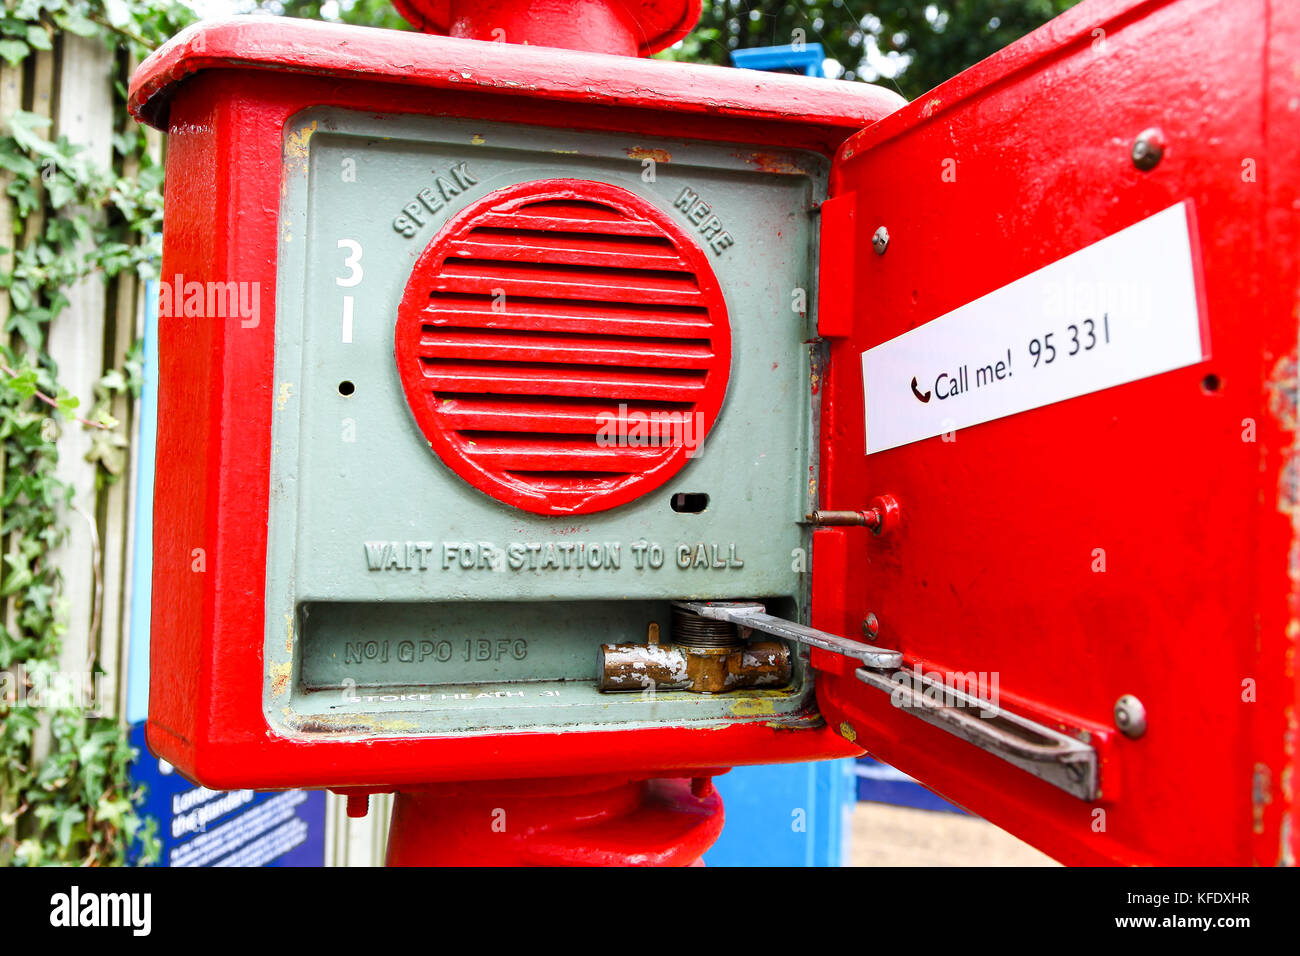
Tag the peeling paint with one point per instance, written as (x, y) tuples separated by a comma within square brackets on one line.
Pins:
[(295, 144), (1282, 400), (280, 675), (658, 155), (772, 163), (477, 140), (1261, 794), (282, 399), (753, 707), (847, 732), (335, 724)]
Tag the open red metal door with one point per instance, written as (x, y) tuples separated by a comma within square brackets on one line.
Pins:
[(1095, 456)]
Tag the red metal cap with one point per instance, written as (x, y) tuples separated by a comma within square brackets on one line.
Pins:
[(628, 27)]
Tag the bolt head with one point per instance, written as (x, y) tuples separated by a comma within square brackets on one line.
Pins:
[(1130, 716), (871, 625), (880, 241), (1148, 149)]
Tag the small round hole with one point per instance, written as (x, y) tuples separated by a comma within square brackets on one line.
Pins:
[(1211, 383), (346, 388), (690, 503)]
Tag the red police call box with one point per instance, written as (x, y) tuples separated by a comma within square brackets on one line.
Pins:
[(1009, 491)]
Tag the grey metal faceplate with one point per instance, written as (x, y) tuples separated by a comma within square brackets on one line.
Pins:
[(363, 601)]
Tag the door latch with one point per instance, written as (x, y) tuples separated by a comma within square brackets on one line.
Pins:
[(753, 615)]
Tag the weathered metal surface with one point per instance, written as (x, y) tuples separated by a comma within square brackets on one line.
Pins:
[(700, 670), (444, 610)]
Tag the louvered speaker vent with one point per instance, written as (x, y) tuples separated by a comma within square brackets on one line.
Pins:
[(564, 346)]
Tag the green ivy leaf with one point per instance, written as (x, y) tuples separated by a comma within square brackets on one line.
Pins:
[(24, 383), (38, 38), (23, 126), (61, 193), (67, 403), (26, 325), (69, 818), (14, 51), (74, 22), (21, 296), (18, 163), (119, 13)]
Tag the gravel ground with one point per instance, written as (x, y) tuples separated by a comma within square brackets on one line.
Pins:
[(885, 835)]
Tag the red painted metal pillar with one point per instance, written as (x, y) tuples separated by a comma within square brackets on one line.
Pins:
[(584, 822)]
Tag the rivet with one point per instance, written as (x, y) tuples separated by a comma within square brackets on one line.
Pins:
[(880, 241), (1130, 716), (1148, 148), (871, 625)]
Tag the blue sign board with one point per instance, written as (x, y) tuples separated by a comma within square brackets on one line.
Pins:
[(201, 827)]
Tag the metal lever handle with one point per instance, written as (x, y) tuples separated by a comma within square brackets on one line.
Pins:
[(1043, 751), (754, 616)]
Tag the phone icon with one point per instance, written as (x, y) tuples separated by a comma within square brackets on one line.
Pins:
[(920, 395)]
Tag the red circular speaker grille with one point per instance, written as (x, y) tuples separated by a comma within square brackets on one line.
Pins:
[(563, 345)]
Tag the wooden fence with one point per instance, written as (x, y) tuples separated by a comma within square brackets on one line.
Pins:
[(72, 84)]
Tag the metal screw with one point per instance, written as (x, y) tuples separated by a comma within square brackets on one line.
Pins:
[(1148, 148), (847, 732), (880, 241), (1130, 716), (871, 625)]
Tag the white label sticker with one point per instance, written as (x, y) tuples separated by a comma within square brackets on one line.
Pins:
[(1119, 310)]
